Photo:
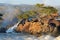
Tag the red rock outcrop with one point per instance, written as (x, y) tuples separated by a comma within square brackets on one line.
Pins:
[(44, 26)]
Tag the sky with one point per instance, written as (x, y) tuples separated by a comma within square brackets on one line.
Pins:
[(52, 2), (48, 2), (21, 1)]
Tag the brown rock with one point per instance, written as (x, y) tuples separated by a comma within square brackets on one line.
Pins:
[(35, 28), (19, 28), (54, 14), (51, 29), (45, 29), (26, 26), (55, 22)]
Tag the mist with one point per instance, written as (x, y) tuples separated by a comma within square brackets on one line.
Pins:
[(10, 16)]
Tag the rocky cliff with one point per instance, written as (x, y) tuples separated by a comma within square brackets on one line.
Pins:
[(47, 25)]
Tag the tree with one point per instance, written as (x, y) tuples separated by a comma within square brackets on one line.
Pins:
[(39, 12), (39, 5), (20, 16), (47, 10), (25, 16), (31, 13)]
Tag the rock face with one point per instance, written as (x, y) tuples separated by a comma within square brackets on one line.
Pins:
[(35, 27), (19, 28), (47, 25)]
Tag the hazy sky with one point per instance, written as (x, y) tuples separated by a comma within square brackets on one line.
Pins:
[(53, 2), (49, 2), (21, 1)]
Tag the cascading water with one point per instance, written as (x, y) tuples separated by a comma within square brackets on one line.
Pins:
[(11, 29)]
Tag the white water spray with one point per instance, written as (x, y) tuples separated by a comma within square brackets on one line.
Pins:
[(11, 29), (43, 37), (10, 14)]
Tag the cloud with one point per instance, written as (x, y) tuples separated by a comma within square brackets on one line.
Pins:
[(52, 2), (21, 1)]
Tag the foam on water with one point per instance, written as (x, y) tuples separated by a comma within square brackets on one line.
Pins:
[(44, 37), (12, 28), (19, 36)]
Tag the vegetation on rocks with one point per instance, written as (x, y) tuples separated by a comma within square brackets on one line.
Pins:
[(41, 11), (38, 20), (44, 23)]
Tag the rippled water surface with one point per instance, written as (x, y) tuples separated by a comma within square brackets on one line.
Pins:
[(20, 36), (15, 36)]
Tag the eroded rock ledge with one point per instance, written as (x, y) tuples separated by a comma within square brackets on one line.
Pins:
[(47, 25)]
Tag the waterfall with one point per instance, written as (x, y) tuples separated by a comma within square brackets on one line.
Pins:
[(11, 29)]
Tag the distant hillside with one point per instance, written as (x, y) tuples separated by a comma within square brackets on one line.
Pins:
[(22, 7), (11, 11)]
